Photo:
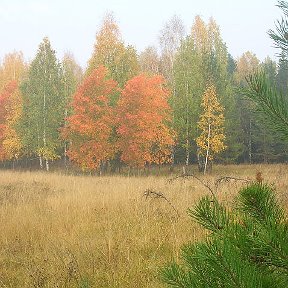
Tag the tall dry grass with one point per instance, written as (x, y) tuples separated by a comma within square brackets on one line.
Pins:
[(76, 231)]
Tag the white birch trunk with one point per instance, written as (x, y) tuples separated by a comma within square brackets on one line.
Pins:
[(173, 122), (250, 142), (47, 164), (65, 143), (208, 148), (41, 162), (44, 130), (187, 126)]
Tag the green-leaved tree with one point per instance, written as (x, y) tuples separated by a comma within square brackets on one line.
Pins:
[(43, 106)]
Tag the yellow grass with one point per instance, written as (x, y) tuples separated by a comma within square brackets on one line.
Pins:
[(76, 231)]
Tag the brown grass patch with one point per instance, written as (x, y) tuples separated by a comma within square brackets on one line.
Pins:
[(76, 231)]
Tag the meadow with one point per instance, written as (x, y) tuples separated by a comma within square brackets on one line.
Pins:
[(61, 230)]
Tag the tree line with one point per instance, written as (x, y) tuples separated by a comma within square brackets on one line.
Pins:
[(182, 105)]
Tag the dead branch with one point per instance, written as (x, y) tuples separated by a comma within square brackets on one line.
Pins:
[(226, 179), (148, 193), (217, 182), (186, 176), (176, 177)]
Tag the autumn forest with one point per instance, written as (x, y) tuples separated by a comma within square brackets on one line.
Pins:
[(182, 104)]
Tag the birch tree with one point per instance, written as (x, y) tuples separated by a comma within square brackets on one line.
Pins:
[(43, 106), (211, 125), (202, 57), (149, 61), (110, 51), (188, 85), (13, 68), (247, 64), (72, 76), (170, 39)]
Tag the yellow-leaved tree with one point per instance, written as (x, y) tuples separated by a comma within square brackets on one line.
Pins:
[(211, 125), (111, 52), (12, 71)]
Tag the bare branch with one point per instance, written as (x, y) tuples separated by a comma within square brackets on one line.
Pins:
[(226, 179), (186, 176), (154, 194), (217, 182)]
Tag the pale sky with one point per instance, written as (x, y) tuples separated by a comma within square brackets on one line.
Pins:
[(71, 25)]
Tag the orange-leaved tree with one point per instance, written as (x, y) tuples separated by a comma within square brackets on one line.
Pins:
[(211, 125), (90, 126), (10, 112), (143, 122)]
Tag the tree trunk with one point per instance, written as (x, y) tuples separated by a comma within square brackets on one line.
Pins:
[(187, 152), (173, 125), (100, 168), (187, 126), (65, 155), (65, 143), (200, 161), (208, 148), (44, 130), (47, 164), (250, 142), (41, 162)]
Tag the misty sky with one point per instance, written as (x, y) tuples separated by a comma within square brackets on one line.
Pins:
[(71, 25)]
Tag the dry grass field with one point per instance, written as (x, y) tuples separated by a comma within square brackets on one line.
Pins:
[(83, 231)]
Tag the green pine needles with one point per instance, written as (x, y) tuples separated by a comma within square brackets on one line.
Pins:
[(280, 35), (247, 246), (269, 100)]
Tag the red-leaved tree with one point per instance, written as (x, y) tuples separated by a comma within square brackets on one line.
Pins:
[(10, 111), (144, 136), (90, 126)]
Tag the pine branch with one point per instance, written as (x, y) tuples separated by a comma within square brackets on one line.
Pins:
[(210, 214), (241, 252), (258, 201), (280, 36), (269, 101), (175, 276), (283, 5)]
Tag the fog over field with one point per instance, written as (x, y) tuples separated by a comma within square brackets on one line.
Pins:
[(143, 144)]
